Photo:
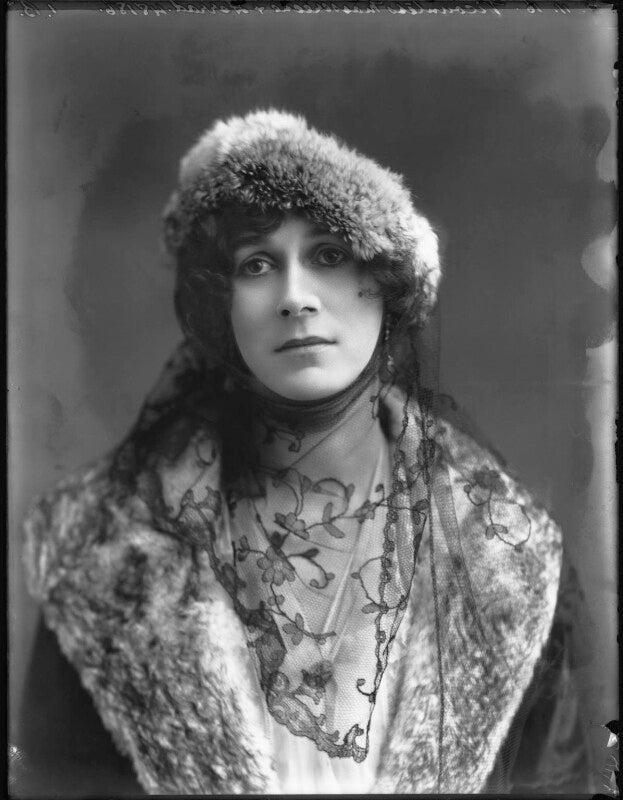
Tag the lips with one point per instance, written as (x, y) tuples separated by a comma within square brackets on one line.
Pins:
[(293, 344)]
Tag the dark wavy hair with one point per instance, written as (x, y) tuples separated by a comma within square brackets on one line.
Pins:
[(204, 270)]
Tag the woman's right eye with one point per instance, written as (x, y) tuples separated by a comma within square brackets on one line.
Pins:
[(254, 267)]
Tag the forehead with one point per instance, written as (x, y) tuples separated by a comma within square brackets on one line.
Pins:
[(292, 231)]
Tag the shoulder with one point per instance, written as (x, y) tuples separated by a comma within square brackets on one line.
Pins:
[(94, 555), (473, 487), (509, 544), (493, 502), (103, 514), (484, 597), (483, 522), (138, 613), (60, 522)]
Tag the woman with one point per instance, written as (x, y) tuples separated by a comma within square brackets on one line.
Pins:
[(294, 575)]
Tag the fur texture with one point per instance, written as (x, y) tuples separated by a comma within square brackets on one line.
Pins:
[(158, 645), (274, 159)]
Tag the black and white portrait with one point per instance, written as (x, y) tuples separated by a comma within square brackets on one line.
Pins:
[(311, 399)]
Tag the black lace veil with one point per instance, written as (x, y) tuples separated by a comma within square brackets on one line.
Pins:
[(323, 572), (172, 461)]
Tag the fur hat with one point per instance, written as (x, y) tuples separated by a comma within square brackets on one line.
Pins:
[(273, 159)]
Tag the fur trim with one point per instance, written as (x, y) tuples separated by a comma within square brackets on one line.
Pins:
[(154, 640), (158, 645), (274, 159), (515, 588)]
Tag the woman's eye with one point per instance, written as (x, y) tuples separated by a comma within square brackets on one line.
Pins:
[(331, 256), (255, 267)]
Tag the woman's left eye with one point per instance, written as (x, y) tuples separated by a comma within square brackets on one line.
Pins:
[(331, 256)]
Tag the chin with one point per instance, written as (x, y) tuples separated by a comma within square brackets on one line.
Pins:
[(310, 388), (303, 393)]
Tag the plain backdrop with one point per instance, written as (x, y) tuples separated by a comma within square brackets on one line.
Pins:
[(504, 128)]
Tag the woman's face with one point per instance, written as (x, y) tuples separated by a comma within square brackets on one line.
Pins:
[(302, 314)]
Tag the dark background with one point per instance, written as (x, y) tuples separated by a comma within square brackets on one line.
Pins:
[(503, 125)]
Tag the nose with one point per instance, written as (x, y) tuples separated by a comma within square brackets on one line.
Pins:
[(298, 292)]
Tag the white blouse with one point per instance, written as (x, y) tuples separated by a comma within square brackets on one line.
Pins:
[(303, 769)]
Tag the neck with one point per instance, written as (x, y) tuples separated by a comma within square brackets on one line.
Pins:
[(334, 436)]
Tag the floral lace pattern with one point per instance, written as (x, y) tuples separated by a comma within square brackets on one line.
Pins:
[(324, 584), (320, 581)]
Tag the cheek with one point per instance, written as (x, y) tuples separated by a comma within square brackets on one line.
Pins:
[(246, 314), (367, 310), (354, 292), (355, 299), (361, 323), (371, 320), (241, 321)]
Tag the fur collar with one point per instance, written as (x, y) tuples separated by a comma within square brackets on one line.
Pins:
[(156, 642)]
